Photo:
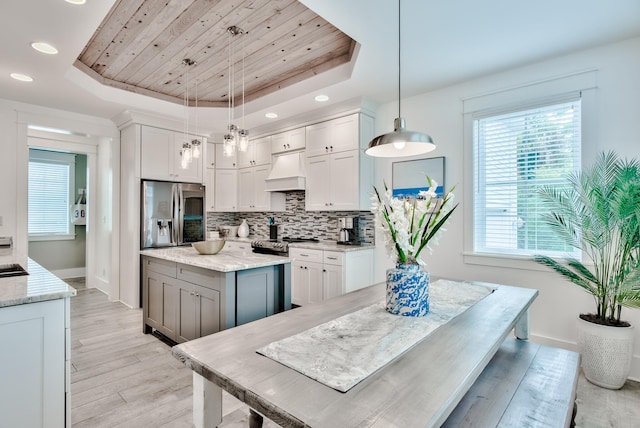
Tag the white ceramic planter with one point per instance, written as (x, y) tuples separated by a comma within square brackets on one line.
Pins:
[(606, 353)]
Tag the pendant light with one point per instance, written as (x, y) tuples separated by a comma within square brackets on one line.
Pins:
[(236, 139), (401, 142), (187, 151)]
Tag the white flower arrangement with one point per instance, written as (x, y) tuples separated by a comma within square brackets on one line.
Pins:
[(411, 225)]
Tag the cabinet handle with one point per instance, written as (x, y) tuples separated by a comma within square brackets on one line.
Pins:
[(331, 147), (306, 268), (192, 293), (326, 149), (332, 258), (304, 255), (324, 270), (197, 294)]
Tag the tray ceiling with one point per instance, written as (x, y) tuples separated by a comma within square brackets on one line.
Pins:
[(141, 45)]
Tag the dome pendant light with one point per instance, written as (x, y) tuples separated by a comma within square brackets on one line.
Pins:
[(401, 142)]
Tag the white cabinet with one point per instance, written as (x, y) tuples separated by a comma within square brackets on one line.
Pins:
[(210, 190), (340, 177), (252, 194), (226, 190), (318, 275), (34, 365), (258, 153), (161, 155), (223, 161), (333, 136), (288, 141), (211, 156), (333, 182)]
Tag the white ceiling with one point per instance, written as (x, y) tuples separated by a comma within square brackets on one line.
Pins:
[(443, 42)]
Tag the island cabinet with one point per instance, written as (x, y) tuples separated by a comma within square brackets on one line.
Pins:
[(339, 174), (161, 155), (185, 302), (318, 275), (181, 302)]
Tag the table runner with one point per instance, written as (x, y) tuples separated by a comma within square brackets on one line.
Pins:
[(342, 352)]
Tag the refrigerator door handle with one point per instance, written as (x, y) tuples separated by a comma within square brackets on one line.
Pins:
[(177, 220)]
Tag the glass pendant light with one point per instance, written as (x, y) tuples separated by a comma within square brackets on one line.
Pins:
[(186, 153), (401, 142), (243, 133)]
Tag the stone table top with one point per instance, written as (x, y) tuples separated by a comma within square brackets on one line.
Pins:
[(39, 286), (227, 260)]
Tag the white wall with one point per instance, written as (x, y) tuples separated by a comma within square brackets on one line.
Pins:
[(91, 135), (616, 126)]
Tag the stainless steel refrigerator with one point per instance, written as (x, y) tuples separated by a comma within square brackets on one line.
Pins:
[(172, 214)]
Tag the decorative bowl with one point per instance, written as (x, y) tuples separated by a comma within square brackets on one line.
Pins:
[(208, 247)]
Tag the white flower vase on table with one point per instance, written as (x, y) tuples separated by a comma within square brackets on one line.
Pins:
[(243, 230), (408, 226)]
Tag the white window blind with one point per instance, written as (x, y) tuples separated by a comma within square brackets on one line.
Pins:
[(514, 153), (51, 180)]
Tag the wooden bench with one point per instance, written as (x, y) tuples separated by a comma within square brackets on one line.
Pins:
[(525, 384)]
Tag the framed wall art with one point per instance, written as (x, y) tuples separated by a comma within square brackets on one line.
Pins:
[(409, 176)]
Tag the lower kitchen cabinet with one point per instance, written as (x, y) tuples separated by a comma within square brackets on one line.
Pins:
[(199, 310), (184, 302), (160, 297), (179, 301), (34, 365), (317, 275), (255, 295)]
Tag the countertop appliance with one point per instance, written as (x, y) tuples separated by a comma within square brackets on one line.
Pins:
[(349, 231), (276, 246), (172, 214)]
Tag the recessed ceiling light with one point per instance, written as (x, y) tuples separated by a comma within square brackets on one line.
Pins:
[(44, 48), (321, 98), (21, 77), (76, 1), (271, 115)]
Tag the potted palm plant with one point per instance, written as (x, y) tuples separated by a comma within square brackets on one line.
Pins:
[(599, 213)]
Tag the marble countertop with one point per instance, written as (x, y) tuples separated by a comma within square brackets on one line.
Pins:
[(40, 285), (227, 260), (313, 245)]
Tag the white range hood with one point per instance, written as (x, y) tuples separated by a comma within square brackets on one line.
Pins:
[(287, 173)]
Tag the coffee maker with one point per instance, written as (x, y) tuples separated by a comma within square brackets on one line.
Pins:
[(349, 233)]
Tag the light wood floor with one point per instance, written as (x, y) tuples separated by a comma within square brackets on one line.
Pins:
[(124, 378)]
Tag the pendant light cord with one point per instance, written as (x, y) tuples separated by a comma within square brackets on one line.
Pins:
[(399, 70)]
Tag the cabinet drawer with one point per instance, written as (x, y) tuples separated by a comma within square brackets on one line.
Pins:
[(333, 258), (200, 276), (302, 254), (164, 267)]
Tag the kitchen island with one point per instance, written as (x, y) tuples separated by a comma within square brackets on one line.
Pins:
[(35, 337), (187, 295)]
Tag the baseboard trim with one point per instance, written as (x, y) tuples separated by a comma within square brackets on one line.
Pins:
[(70, 273)]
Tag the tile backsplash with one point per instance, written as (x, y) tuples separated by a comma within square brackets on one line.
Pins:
[(295, 221)]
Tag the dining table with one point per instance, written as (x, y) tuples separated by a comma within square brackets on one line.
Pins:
[(419, 387)]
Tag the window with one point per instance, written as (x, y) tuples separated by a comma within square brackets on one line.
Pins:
[(51, 183), (514, 153)]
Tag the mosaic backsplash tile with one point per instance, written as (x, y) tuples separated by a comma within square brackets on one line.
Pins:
[(295, 221)]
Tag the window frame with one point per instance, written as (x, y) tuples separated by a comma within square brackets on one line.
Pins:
[(522, 96), (53, 157)]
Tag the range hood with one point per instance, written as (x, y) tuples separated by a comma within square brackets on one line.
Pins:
[(287, 173)]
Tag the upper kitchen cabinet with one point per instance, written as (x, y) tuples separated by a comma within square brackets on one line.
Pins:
[(340, 177), (161, 155), (258, 153), (225, 161), (288, 141), (252, 194), (335, 135), (211, 156)]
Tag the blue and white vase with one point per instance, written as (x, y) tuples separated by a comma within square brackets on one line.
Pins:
[(408, 290)]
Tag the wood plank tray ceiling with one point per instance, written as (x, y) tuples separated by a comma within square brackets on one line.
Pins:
[(141, 44)]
